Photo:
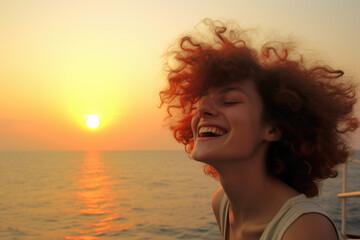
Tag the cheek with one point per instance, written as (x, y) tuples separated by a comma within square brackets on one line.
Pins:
[(240, 119), (194, 123), (246, 126)]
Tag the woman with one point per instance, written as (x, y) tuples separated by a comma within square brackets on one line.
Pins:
[(268, 126)]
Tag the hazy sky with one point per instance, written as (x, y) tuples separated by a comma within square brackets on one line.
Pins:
[(63, 60)]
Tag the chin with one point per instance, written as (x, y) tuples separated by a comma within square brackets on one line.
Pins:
[(208, 156)]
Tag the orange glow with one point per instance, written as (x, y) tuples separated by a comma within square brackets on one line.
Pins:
[(96, 201), (62, 60)]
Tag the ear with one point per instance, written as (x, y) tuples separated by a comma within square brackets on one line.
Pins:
[(272, 134)]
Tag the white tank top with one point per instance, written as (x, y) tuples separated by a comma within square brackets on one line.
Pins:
[(292, 209)]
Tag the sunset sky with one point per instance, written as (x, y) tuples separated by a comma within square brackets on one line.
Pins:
[(63, 60)]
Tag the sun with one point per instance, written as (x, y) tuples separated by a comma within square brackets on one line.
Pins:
[(92, 121)]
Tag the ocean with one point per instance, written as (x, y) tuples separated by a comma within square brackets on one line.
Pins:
[(123, 195)]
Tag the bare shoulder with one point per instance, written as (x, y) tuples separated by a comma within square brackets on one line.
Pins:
[(215, 202), (311, 226)]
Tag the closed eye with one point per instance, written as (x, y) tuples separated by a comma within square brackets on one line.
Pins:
[(231, 103)]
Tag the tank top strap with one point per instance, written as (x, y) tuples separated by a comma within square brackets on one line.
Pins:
[(291, 210), (223, 215)]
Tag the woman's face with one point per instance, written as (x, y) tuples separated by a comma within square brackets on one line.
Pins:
[(228, 124)]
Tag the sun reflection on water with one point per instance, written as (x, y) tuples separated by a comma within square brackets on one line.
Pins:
[(96, 200)]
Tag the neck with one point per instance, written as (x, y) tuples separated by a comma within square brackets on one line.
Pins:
[(254, 195)]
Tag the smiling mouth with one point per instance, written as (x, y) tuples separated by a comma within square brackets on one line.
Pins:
[(211, 132)]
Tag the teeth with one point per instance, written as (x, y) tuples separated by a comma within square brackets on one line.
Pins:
[(214, 130)]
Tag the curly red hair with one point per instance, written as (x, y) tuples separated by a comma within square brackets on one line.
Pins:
[(311, 105)]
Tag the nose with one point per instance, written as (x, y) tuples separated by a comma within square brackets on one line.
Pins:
[(207, 107)]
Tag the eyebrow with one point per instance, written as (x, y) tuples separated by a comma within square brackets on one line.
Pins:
[(229, 89)]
